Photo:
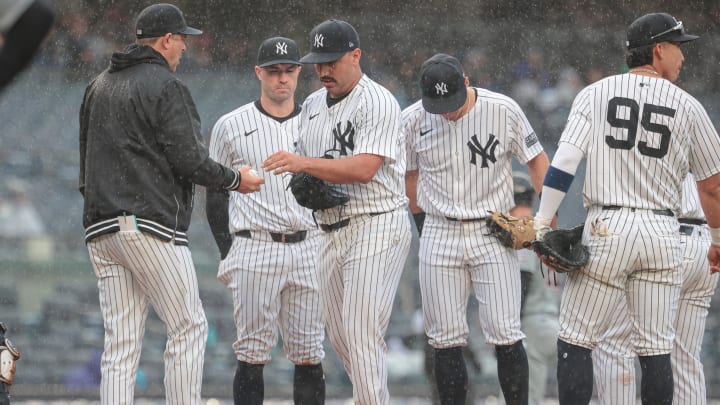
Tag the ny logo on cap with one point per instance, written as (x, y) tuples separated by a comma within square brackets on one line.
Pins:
[(441, 88), (319, 38), (281, 48)]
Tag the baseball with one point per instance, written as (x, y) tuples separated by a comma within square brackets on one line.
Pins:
[(253, 172)]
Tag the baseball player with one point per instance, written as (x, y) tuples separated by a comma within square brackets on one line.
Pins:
[(461, 142), (351, 136), (640, 135), (540, 300), (276, 285), (140, 155), (613, 360)]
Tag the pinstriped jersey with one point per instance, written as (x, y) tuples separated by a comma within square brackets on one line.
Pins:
[(367, 120), (690, 207), (640, 136), (247, 136), (465, 167)]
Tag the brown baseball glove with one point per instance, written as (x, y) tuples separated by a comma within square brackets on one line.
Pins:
[(512, 232)]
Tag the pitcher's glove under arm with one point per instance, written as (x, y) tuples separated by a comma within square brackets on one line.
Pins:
[(8, 356), (311, 192), (512, 232), (562, 249)]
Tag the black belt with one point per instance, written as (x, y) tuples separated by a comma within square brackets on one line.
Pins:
[(665, 212), (345, 222), (277, 237), (686, 230), (692, 221), (465, 220)]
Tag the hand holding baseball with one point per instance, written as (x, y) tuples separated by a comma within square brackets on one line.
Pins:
[(250, 180)]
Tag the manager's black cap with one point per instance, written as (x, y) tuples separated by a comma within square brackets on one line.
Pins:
[(330, 40), (656, 27), (160, 19), (277, 50), (442, 81)]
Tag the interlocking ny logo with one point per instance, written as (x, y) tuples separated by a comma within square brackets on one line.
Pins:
[(344, 140), (281, 48), (486, 153), (319, 38), (441, 88)]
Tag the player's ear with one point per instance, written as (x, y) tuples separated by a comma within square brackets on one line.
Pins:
[(356, 53), (258, 70), (658, 50)]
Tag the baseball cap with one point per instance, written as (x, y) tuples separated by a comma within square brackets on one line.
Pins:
[(277, 50), (443, 84), (330, 40), (656, 27), (162, 18)]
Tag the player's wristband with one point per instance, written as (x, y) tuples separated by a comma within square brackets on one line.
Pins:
[(715, 236)]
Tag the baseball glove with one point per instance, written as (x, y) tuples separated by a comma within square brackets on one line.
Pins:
[(311, 192), (562, 249), (512, 232)]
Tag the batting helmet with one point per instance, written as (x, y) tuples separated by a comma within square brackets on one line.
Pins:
[(522, 189)]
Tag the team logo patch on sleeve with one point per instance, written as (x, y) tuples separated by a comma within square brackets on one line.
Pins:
[(531, 139)]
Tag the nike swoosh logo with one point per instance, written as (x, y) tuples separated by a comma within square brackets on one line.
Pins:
[(313, 116), (248, 133), (423, 133)]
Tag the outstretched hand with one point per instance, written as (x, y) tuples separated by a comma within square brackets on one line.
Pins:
[(283, 162)]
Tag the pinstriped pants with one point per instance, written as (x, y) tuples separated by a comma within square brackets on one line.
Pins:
[(614, 359), (135, 270), (638, 261), (359, 271)]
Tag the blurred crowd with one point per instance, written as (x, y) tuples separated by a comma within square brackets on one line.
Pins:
[(524, 49)]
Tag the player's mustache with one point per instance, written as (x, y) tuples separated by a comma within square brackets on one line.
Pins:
[(327, 79)]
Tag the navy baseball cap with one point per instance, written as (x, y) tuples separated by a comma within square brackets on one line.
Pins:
[(160, 19), (656, 27), (277, 50), (330, 40), (442, 81)]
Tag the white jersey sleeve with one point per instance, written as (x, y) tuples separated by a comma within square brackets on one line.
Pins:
[(410, 127)]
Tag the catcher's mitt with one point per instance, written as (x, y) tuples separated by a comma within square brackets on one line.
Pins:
[(562, 249), (311, 192), (512, 232)]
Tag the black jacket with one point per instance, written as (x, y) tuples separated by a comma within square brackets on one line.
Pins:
[(141, 150)]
